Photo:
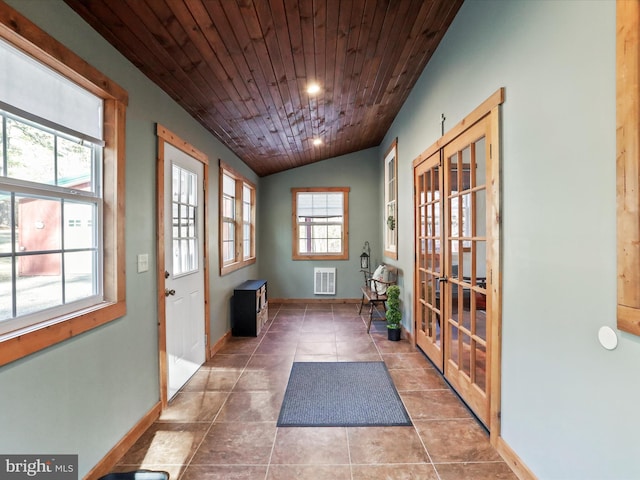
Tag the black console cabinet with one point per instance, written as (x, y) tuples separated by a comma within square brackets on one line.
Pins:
[(249, 308)]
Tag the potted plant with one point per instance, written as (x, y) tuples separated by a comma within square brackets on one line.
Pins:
[(393, 314)]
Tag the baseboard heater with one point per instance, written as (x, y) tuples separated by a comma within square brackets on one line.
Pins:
[(324, 281)]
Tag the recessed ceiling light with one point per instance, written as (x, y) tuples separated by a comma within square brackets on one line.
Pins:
[(313, 88), (317, 141)]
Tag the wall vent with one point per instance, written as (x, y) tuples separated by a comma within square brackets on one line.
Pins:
[(324, 281)]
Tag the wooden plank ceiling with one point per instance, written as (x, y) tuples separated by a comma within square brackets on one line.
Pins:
[(241, 67)]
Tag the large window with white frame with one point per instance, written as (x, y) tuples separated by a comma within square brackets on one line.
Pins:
[(237, 220), (61, 210), (320, 223), (50, 223), (391, 201)]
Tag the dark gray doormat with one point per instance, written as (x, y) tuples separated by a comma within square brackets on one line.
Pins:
[(341, 394)]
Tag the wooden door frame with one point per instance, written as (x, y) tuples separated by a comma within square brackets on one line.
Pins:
[(491, 106), (164, 135)]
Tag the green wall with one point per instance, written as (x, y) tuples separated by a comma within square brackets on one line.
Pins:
[(81, 396), (569, 407), (293, 279)]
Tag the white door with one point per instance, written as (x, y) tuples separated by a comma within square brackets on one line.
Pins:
[(184, 253)]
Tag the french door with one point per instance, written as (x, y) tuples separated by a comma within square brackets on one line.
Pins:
[(457, 262)]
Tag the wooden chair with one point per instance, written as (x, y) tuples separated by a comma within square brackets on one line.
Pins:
[(374, 290)]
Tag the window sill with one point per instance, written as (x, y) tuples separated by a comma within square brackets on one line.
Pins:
[(344, 256), (232, 267), (25, 341)]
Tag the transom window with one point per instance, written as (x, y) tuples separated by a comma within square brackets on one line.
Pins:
[(237, 220), (321, 220)]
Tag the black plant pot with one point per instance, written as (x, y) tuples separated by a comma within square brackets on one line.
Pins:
[(393, 334)]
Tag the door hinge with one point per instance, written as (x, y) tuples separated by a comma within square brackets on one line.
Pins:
[(206, 339), (490, 151)]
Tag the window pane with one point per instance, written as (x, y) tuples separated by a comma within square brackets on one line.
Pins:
[(39, 282), (228, 207), (5, 222), (80, 275), (334, 231), (319, 205), (184, 220), (75, 165), (30, 153), (228, 251), (185, 255), (192, 197), (184, 186), (319, 245), (231, 231), (334, 246), (78, 225), (5, 288), (228, 186), (191, 222), (175, 184), (37, 224), (319, 231), (176, 257)]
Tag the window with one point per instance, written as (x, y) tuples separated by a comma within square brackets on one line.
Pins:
[(237, 220), (391, 201), (321, 223), (248, 200), (184, 205), (45, 267), (61, 176)]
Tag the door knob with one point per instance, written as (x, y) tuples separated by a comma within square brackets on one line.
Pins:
[(168, 292)]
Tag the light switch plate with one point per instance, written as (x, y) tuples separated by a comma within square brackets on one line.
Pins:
[(143, 262)]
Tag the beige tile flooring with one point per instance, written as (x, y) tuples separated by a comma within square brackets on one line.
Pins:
[(222, 424)]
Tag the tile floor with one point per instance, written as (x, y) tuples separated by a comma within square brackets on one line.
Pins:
[(222, 424)]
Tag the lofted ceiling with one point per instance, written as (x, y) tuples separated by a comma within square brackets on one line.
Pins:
[(241, 67)]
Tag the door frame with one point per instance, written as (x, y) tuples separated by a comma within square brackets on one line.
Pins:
[(490, 107), (165, 135)]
